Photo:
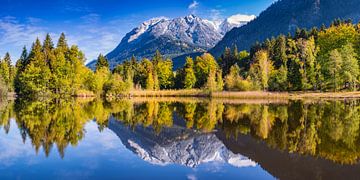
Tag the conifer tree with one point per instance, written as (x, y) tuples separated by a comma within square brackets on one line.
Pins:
[(102, 62), (62, 43)]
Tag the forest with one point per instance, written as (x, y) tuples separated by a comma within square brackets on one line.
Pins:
[(318, 60)]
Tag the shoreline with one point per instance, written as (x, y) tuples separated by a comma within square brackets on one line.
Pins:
[(243, 95)]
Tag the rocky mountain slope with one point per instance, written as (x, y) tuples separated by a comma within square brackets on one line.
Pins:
[(173, 37)]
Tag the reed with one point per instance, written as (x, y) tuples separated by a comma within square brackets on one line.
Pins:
[(243, 95)]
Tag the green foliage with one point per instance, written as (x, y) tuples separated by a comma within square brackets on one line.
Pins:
[(190, 78), (116, 86), (205, 69), (261, 70), (102, 62), (50, 71), (316, 60), (7, 72), (234, 82)]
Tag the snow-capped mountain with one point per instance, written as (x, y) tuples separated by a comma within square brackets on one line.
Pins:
[(285, 16), (176, 145), (237, 20), (173, 37)]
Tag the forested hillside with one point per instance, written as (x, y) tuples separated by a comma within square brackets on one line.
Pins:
[(286, 16)]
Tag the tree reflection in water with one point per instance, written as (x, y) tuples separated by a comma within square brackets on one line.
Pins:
[(324, 129)]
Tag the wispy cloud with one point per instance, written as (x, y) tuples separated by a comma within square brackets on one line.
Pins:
[(88, 32), (193, 5), (216, 14), (14, 35)]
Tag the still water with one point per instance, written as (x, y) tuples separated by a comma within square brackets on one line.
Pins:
[(179, 139)]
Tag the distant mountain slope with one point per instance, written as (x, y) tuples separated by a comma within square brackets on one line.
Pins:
[(173, 37), (285, 16)]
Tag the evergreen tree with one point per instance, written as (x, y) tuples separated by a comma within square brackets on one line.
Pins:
[(62, 43), (102, 62), (6, 70), (36, 76)]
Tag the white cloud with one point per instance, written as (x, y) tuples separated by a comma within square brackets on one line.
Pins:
[(193, 5), (216, 15), (191, 177), (14, 35), (92, 36), (240, 18)]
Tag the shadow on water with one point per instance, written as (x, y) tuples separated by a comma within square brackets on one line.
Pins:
[(289, 139)]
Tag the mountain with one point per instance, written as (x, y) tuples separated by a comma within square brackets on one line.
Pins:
[(285, 16), (173, 37), (176, 145)]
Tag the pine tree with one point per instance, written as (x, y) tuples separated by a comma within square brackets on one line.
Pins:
[(62, 43), (22, 61), (6, 70), (102, 62)]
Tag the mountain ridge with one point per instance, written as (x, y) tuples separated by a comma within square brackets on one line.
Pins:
[(173, 37), (286, 16)]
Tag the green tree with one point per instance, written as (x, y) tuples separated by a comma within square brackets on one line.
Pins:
[(62, 43), (35, 79), (7, 71), (190, 78), (350, 67), (102, 62), (332, 67), (261, 70), (204, 65), (150, 84), (165, 73)]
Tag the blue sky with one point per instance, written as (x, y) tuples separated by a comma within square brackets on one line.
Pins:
[(97, 26)]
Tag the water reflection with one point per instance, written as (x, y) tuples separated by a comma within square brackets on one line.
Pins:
[(194, 131)]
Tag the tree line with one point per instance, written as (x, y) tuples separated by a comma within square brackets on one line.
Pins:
[(325, 59)]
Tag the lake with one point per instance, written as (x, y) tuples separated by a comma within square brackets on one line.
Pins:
[(179, 138)]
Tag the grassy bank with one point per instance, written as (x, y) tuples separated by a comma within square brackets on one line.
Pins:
[(243, 95)]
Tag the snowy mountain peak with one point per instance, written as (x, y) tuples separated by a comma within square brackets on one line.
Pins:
[(173, 37), (235, 21), (191, 23), (190, 18), (154, 21)]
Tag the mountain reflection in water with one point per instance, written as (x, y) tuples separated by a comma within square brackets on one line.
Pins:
[(289, 139)]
